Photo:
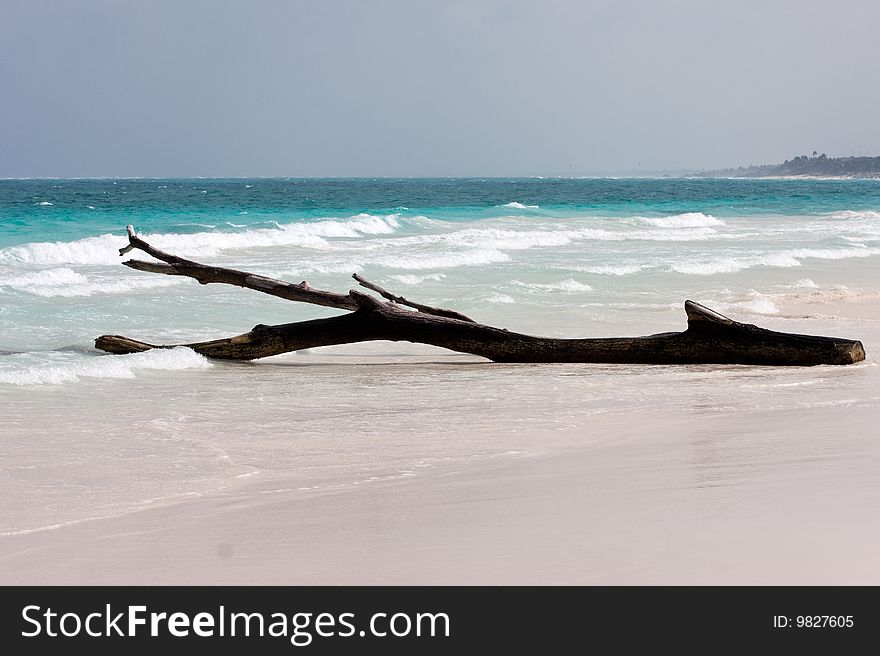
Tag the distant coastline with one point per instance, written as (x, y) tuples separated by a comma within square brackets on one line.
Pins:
[(813, 166)]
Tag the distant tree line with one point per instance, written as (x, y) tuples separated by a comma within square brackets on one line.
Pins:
[(818, 165)]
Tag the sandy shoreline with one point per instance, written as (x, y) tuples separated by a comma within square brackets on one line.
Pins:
[(711, 500), (695, 493)]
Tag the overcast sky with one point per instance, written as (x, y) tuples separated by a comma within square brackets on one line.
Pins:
[(419, 88)]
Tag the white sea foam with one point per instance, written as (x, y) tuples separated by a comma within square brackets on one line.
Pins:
[(519, 206), (104, 249), (44, 203), (856, 214), (759, 306), (686, 220), (499, 299), (48, 277), (665, 234), (91, 250), (355, 226), (509, 239), (781, 259), (71, 368), (757, 303), (413, 279), (64, 282), (835, 294), (506, 239), (612, 269), (569, 286), (834, 253), (732, 264), (445, 260)]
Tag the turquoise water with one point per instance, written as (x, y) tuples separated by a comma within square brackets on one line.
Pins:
[(46, 210), (562, 256), (89, 435)]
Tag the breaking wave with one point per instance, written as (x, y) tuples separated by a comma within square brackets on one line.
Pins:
[(568, 286), (104, 249), (445, 260), (67, 368), (64, 282), (519, 206), (413, 279), (686, 220), (499, 299), (782, 259), (856, 214), (612, 269)]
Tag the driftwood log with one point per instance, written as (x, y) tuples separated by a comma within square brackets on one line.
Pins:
[(710, 338)]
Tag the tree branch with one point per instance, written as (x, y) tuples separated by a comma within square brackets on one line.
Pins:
[(710, 337), (302, 292), (400, 300), (178, 266)]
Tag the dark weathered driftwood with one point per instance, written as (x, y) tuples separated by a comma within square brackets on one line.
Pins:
[(709, 338), (400, 300), (303, 292)]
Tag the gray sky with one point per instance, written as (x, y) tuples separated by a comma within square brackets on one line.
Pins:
[(418, 88)]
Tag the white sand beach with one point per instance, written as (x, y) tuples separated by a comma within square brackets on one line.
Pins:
[(719, 475)]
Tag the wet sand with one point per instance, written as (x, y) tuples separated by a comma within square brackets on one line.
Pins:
[(784, 500), (781, 487)]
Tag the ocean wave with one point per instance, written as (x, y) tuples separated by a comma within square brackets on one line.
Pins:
[(803, 283), (834, 253), (757, 303), (355, 226), (665, 234), (413, 279), (770, 303), (871, 215), (519, 206), (210, 226), (507, 239), (90, 250), (44, 203), (413, 260), (611, 269), (445, 260), (64, 282), (732, 264), (686, 220), (104, 249), (835, 294), (476, 246), (762, 306), (569, 286), (499, 299), (782, 259), (68, 368)]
